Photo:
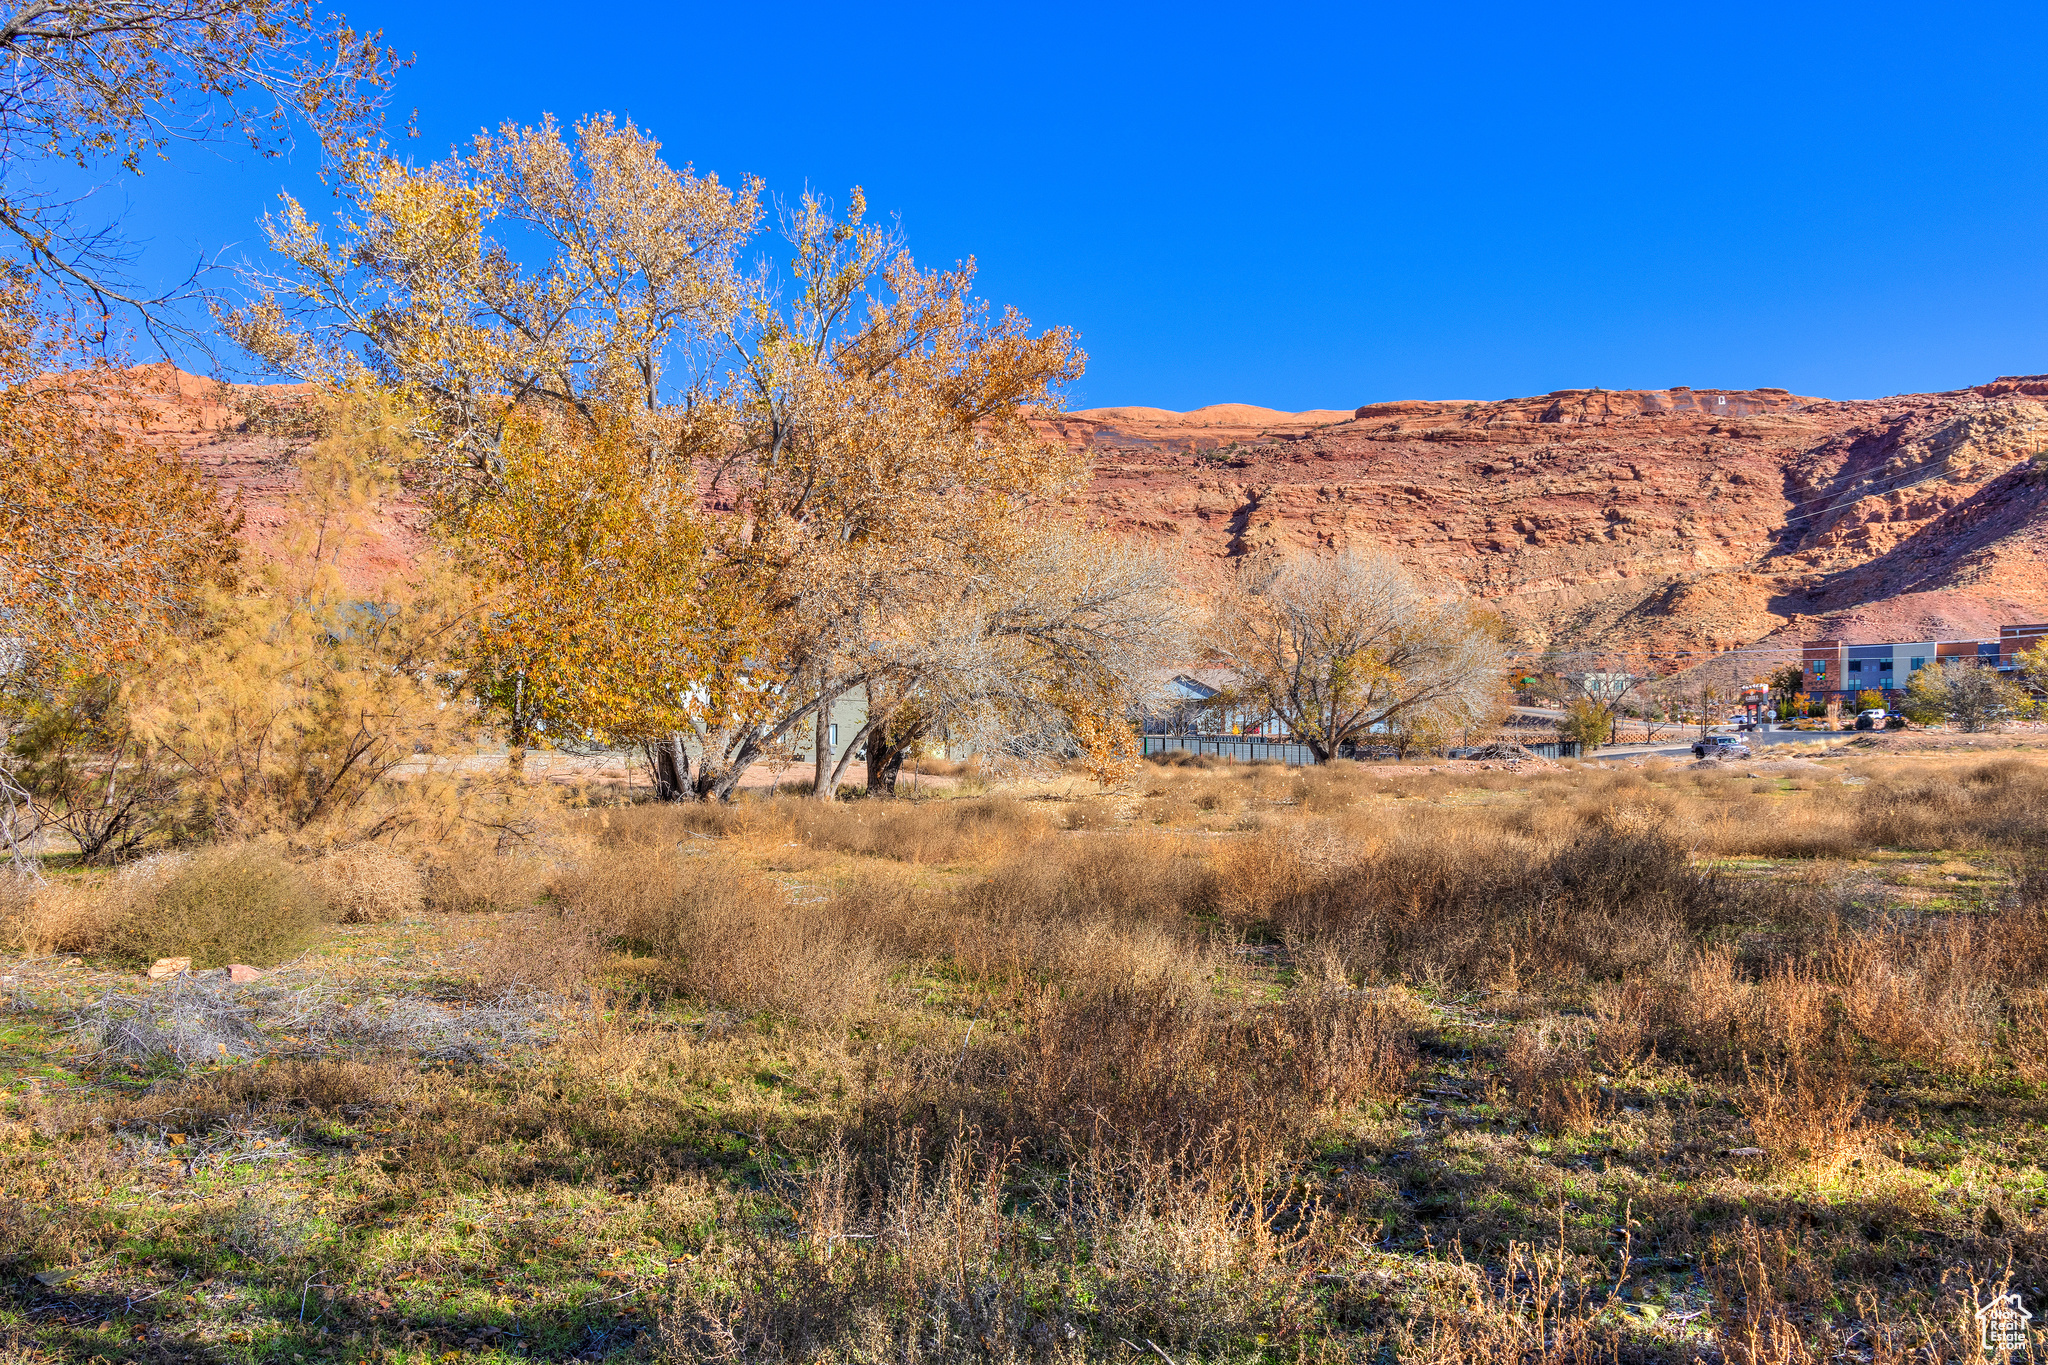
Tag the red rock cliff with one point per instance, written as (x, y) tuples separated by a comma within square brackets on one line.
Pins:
[(1667, 519), (1672, 518)]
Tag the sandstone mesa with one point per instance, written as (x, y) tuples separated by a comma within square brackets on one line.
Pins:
[(1665, 520), (1669, 519)]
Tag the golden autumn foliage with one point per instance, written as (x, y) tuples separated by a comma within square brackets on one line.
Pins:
[(711, 503), (296, 708), (604, 614), (289, 704), (107, 546), (104, 541), (636, 268)]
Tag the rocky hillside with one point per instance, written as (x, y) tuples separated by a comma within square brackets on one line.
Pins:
[(1671, 519), (237, 434)]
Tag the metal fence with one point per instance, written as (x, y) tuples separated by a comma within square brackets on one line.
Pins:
[(1248, 750), (1555, 749), (1232, 746)]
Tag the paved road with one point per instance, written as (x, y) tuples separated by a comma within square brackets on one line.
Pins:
[(1682, 747), (1682, 737)]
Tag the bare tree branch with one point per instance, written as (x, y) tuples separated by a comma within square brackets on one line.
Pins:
[(112, 84)]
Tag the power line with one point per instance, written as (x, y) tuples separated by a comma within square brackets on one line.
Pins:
[(1704, 656), (1858, 497)]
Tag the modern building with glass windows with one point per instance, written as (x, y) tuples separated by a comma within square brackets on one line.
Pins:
[(1838, 670)]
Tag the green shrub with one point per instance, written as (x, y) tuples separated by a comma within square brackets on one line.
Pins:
[(241, 903)]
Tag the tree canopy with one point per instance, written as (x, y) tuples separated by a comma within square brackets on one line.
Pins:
[(714, 498), (1966, 695), (103, 84), (1339, 647)]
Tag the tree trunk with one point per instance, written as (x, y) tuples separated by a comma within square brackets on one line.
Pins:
[(822, 787), (719, 784), (669, 762), (863, 736), (889, 744), (885, 760), (885, 766), (516, 735), (18, 811)]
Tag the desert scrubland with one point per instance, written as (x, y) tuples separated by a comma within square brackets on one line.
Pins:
[(1641, 1062), (361, 1005)]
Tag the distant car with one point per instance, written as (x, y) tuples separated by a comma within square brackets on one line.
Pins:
[(1720, 746), (1873, 719)]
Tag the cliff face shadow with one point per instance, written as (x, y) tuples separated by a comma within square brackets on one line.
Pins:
[(1932, 557), (1814, 505)]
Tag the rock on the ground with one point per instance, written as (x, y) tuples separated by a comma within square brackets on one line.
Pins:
[(1500, 751), (166, 967)]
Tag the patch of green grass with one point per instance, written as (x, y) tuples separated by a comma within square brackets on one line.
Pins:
[(546, 1201)]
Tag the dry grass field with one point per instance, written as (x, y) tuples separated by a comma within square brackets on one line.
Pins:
[(1635, 1063)]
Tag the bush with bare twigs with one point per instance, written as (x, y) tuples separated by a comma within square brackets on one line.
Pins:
[(1445, 902), (1804, 1110), (537, 950), (1549, 1064), (1118, 913)]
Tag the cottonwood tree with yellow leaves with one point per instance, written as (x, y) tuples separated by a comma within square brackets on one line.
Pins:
[(419, 288), (711, 512), (1344, 646), (597, 563)]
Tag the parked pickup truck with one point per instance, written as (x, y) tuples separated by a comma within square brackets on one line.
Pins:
[(1720, 746)]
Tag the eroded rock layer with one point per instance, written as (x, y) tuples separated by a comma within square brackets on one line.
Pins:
[(1668, 519)]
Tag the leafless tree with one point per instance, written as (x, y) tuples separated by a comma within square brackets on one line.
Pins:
[(1590, 682), (97, 86), (1657, 705), (1027, 657)]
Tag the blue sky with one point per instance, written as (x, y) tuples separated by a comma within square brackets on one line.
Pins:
[(1321, 207)]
